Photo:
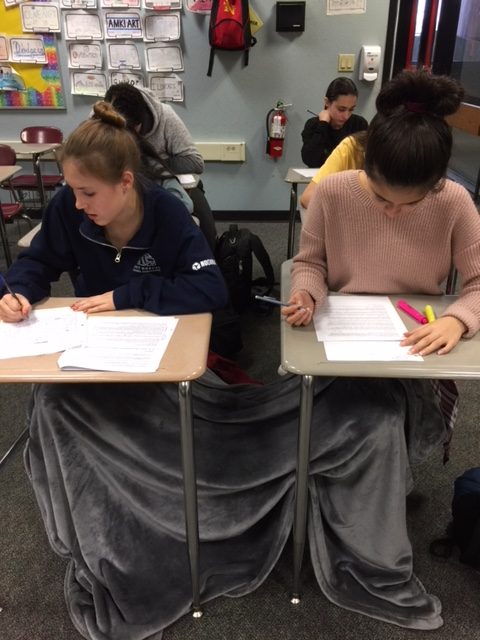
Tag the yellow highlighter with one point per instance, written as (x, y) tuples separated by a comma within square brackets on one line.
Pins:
[(429, 313)]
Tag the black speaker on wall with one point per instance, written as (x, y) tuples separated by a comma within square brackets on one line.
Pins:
[(291, 16)]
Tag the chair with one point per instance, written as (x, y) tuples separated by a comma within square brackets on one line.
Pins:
[(14, 208), (36, 184)]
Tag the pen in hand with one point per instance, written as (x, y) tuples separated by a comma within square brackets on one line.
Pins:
[(275, 301), (7, 287), (272, 300)]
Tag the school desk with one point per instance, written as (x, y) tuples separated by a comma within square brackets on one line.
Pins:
[(6, 172), (185, 360), (302, 354), (34, 152), (294, 178)]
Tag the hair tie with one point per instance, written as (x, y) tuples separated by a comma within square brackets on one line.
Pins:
[(415, 107)]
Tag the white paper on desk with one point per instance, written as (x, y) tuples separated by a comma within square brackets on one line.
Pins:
[(44, 331), (125, 344), (357, 317), (366, 350), (186, 178), (306, 173)]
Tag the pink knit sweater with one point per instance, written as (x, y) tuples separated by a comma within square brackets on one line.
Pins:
[(348, 244)]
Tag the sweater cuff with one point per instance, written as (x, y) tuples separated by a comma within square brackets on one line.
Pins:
[(469, 319)]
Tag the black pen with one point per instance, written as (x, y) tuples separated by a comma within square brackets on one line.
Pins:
[(7, 287), (312, 112)]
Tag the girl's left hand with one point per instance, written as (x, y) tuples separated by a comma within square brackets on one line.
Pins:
[(438, 337), (95, 304)]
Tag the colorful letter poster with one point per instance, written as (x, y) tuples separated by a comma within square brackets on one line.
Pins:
[(39, 84)]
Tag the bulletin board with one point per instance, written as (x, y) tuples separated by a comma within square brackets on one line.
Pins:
[(41, 83)]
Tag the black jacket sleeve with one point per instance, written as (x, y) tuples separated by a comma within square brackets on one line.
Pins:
[(317, 142)]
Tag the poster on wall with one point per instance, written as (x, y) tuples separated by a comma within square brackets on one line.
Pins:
[(82, 25), (88, 84), (40, 17), (127, 24), (84, 55), (199, 6), (164, 58), (135, 79), (78, 4), (123, 56), (341, 7), (167, 87), (164, 26)]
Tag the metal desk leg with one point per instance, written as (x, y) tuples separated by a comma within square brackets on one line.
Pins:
[(190, 490), (4, 238), (38, 173), (21, 438), (291, 221), (301, 483)]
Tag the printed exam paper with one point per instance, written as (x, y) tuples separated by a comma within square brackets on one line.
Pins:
[(356, 327)]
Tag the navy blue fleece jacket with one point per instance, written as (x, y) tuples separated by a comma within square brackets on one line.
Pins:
[(166, 268)]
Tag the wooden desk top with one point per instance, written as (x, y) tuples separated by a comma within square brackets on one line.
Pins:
[(8, 170), (185, 358), (303, 354)]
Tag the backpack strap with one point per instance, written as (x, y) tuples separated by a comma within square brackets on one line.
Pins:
[(262, 256)]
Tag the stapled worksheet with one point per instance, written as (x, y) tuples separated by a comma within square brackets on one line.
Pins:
[(164, 58), (84, 55), (81, 25)]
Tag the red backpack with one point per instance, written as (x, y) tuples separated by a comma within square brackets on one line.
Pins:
[(229, 28)]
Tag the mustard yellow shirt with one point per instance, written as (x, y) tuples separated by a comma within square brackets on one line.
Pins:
[(345, 156)]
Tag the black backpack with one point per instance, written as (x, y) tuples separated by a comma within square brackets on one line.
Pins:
[(464, 530), (229, 28), (234, 253)]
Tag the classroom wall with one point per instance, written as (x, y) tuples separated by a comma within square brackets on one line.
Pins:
[(233, 103)]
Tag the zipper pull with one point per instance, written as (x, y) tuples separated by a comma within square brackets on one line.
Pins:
[(118, 256)]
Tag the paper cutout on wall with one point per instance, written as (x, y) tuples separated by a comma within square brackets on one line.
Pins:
[(84, 55), (88, 84), (167, 87), (135, 79), (10, 80)]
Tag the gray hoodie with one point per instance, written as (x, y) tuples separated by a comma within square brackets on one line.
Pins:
[(170, 137)]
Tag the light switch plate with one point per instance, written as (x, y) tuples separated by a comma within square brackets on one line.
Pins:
[(346, 61)]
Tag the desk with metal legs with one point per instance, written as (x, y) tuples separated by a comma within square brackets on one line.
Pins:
[(6, 172), (35, 152), (294, 178), (185, 360), (303, 355)]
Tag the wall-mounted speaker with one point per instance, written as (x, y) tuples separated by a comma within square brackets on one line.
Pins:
[(291, 16)]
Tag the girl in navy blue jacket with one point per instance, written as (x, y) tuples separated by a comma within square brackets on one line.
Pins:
[(126, 243)]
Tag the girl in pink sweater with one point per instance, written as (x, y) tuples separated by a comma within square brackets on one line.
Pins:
[(395, 227), (398, 225)]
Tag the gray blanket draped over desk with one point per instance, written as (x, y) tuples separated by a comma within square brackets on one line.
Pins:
[(105, 464)]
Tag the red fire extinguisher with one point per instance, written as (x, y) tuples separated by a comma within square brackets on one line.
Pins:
[(276, 129)]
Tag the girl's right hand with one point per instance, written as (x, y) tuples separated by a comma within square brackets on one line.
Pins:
[(300, 309), (324, 116), (14, 309)]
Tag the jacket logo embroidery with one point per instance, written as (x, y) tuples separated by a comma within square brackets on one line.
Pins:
[(203, 263), (146, 264)]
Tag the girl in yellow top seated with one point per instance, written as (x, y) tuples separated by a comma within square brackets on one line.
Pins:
[(348, 154)]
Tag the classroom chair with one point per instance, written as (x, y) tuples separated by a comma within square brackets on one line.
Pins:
[(32, 188), (13, 209)]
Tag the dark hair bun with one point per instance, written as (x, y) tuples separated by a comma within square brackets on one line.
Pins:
[(106, 113), (435, 95)]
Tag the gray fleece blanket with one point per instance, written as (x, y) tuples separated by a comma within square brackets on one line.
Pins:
[(105, 464)]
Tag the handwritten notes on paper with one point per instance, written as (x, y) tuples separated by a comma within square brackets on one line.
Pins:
[(361, 328), (44, 331)]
